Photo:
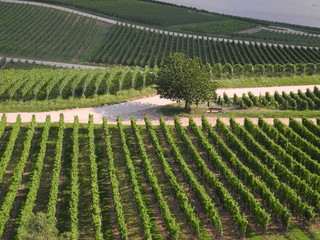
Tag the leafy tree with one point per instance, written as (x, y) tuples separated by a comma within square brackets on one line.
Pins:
[(182, 78), (39, 227)]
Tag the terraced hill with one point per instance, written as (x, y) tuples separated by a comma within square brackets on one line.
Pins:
[(32, 31), (46, 33), (104, 181), (126, 45)]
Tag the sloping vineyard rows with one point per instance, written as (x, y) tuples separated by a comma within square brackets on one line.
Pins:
[(42, 32), (130, 46), (278, 37), (294, 101), (45, 84), (203, 181)]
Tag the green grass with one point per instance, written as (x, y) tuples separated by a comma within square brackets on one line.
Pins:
[(60, 104), (268, 81), (178, 109), (223, 27)]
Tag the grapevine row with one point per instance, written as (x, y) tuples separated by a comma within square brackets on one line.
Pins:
[(247, 176), (96, 211), (143, 212), (178, 190), (35, 180), (74, 201), (282, 173), (170, 220), (295, 167), (302, 157), (228, 202), (54, 190), (297, 140), (7, 204), (192, 180), (123, 229), (6, 157)]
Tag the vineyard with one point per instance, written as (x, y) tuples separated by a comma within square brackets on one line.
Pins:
[(160, 182), (38, 84), (285, 38), (47, 84), (130, 46), (42, 32), (56, 34), (309, 100)]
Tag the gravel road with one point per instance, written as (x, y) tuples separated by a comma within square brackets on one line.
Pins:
[(137, 108), (50, 63)]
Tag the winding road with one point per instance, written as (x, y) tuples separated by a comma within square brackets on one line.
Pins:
[(50, 63), (137, 108), (112, 21)]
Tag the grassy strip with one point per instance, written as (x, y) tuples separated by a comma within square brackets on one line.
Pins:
[(60, 104), (268, 81)]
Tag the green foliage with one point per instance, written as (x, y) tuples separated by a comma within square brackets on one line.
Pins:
[(268, 173), (48, 33), (39, 227), (47, 84), (185, 79), (137, 46), (301, 101)]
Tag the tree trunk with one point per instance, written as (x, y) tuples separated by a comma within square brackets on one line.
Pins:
[(187, 106)]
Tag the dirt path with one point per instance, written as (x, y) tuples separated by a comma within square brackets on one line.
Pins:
[(137, 108), (50, 63), (112, 21), (278, 30)]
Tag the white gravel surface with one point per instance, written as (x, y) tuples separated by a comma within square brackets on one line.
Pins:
[(112, 21), (137, 108), (50, 63)]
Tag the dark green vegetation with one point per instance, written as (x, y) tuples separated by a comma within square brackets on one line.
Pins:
[(54, 89), (63, 36), (293, 101), (170, 17), (161, 182), (130, 46), (148, 13), (185, 79), (285, 38), (31, 31), (47, 84)]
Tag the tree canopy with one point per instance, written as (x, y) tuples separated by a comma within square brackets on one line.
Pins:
[(185, 79)]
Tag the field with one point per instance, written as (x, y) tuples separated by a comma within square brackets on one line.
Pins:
[(129, 46), (220, 180), (285, 38), (106, 181), (39, 88), (47, 33), (63, 36), (294, 101), (156, 13)]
